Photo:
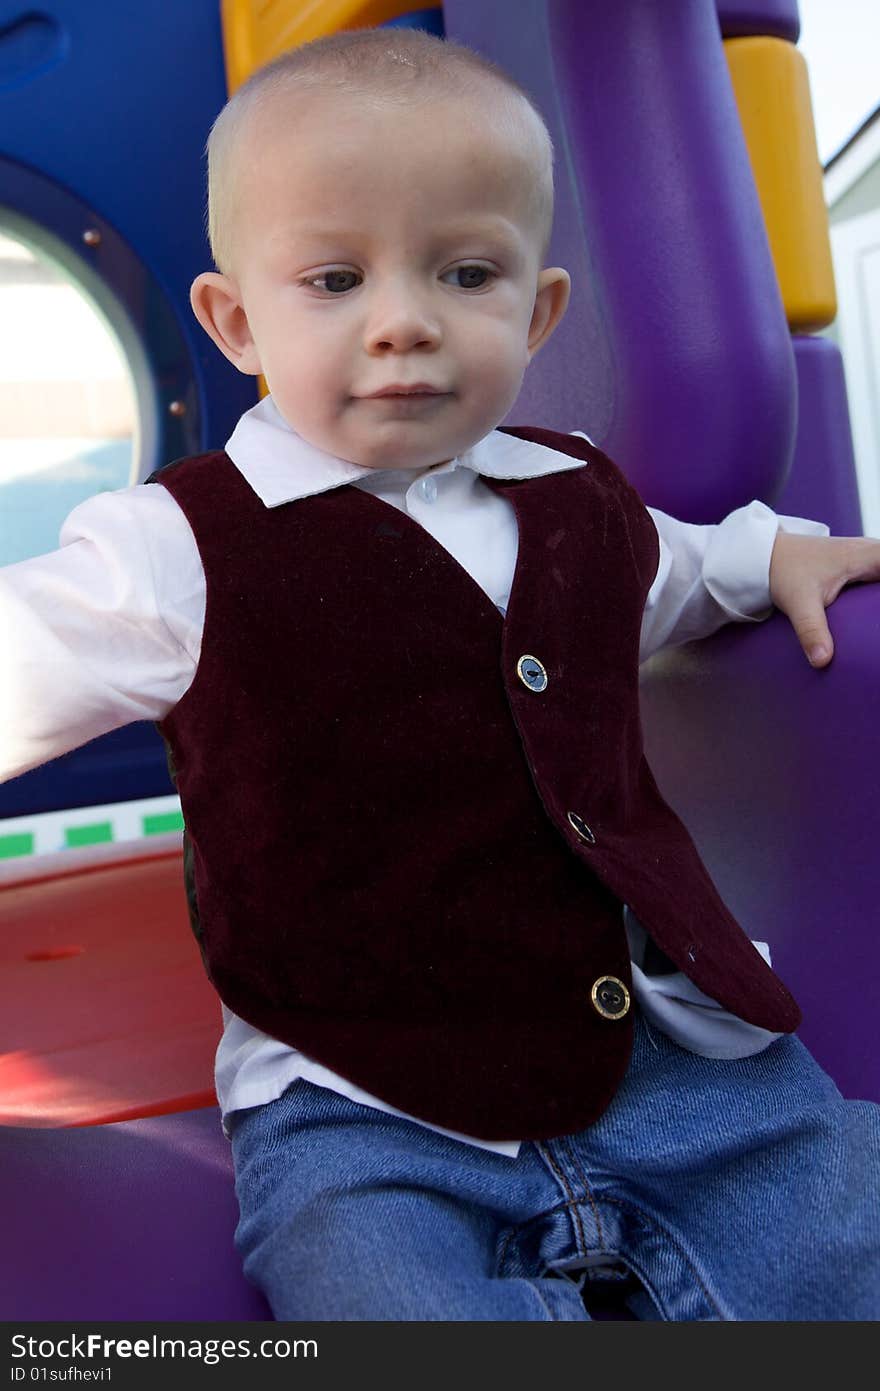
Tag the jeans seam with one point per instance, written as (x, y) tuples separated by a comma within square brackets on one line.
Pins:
[(655, 1227), (589, 1193), (518, 1230), (572, 1202)]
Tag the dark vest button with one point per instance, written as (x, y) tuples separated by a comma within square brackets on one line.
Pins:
[(610, 997), (531, 673), (580, 826)]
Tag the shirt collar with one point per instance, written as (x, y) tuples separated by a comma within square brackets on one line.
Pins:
[(281, 466)]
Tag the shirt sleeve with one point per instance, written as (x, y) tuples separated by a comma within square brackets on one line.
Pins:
[(712, 575), (88, 642)]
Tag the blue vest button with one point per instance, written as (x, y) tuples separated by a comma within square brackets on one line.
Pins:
[(579, 825), (610, 997), (531, 673)]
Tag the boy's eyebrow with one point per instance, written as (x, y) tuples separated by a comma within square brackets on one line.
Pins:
[(494, 229), (498, 229)]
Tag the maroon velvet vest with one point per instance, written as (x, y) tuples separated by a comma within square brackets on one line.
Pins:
[(406, 859)]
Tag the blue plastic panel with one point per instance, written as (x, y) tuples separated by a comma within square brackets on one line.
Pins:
[(104, 113)]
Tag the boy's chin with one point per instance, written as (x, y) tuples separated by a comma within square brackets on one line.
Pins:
[(393, 456)]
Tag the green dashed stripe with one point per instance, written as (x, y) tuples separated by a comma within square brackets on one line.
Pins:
[(19, 842), (22, 844), (95, 834), (166, 821)]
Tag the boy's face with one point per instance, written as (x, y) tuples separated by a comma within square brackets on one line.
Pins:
[(381, 249)]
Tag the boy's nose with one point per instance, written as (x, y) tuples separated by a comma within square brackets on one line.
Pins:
[(400, 321)]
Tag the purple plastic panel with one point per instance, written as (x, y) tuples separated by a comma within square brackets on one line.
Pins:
[(779, 19), (705, 399), (822, 483), (773, 766), (118, 1222)]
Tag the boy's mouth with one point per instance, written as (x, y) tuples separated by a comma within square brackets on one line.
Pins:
[(417, 389)]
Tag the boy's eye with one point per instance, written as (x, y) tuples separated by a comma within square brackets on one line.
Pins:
[(470, 277), (336, 281)]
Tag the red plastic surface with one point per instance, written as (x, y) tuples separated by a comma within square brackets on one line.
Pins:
[(106, 1013)]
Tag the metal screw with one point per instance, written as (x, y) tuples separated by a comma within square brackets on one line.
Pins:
[(177, 408), (92, 237)]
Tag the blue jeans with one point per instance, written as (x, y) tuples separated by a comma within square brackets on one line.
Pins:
[(733, 1190)]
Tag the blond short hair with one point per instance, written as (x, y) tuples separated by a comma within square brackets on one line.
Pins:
[(386, 65)]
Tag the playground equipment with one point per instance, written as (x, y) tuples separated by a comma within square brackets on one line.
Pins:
[(689, 213)]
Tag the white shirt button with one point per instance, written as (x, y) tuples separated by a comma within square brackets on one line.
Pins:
[(428, 489)]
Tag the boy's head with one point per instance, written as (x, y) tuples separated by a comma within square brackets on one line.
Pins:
[(380, 204)]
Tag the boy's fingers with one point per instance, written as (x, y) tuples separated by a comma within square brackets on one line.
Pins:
[(814, 635)]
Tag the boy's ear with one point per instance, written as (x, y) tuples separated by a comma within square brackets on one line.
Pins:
[(216, 303), (551, 302)]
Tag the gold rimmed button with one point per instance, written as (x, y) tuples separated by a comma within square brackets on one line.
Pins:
[(532, 673), (610, 997)]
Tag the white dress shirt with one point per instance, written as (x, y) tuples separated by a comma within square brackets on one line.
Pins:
[(107, 630)]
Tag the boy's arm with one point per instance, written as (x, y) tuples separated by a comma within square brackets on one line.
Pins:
[(85, 646), (712, 575)]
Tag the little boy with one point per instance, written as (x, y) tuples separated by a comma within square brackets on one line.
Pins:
[(406, 644)]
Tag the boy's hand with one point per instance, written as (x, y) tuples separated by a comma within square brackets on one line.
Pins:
[(806, 575)]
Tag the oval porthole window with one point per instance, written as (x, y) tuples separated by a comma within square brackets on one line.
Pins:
[(69, 423)]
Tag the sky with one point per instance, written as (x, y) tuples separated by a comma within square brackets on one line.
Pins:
[(840, 40)]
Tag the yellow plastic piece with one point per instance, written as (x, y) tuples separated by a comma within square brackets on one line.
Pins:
[(772, 91), (255, 32)]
